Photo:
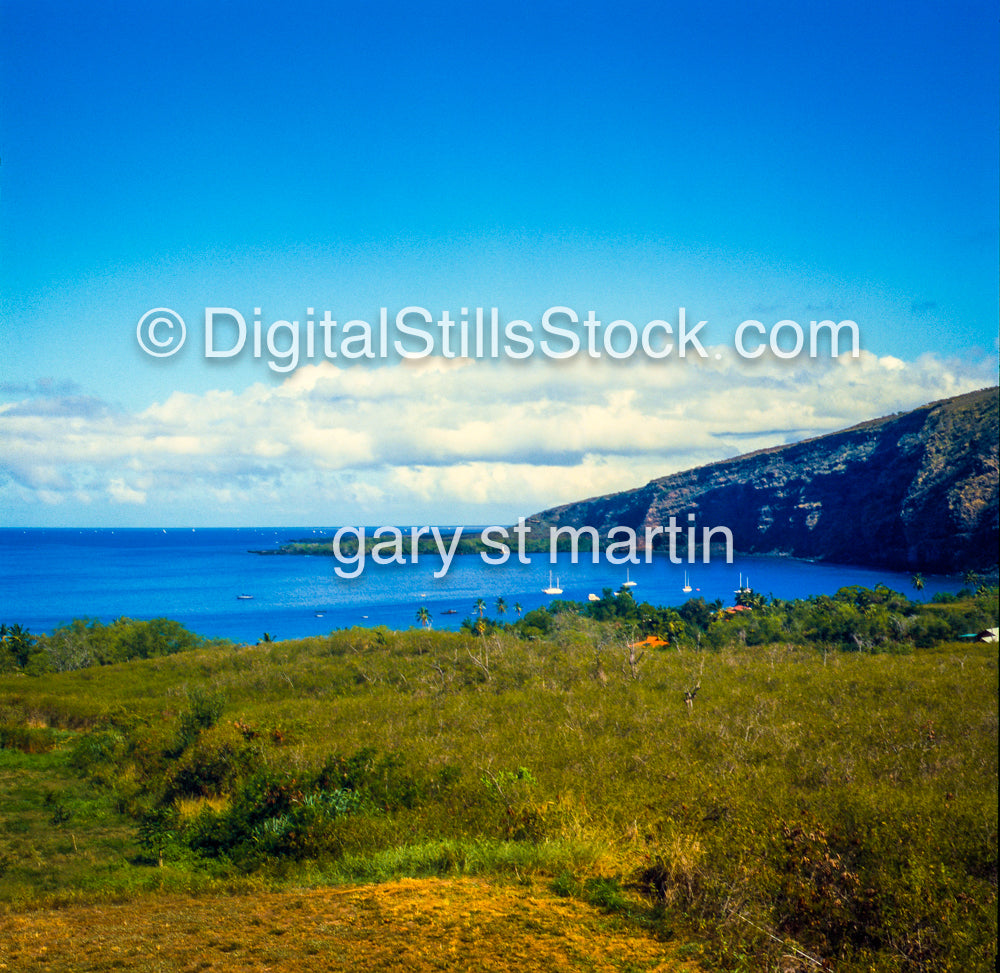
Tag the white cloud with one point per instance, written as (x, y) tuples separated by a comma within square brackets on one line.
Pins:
[(442, 436), (120, 492)]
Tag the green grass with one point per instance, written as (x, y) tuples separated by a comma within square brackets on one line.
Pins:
[(844, 802), (56, 831)]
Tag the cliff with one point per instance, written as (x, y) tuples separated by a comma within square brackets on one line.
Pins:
[(914, 491)]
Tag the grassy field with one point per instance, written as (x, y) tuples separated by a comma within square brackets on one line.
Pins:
[(809, 807)]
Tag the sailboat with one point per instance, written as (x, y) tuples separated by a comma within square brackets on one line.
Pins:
[(552, 589), (629, 583), (687, 584)]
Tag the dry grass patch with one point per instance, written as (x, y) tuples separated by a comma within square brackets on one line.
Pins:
[(416, 925)]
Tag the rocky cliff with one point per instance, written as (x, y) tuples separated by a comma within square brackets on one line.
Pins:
[(914, 491)]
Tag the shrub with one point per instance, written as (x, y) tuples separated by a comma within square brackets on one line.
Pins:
[(95, 750), (275, 814), (203, 712), (27, 739), (537, 621), (210, 767), (822, 899)]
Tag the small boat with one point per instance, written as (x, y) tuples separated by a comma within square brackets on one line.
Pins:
[(320, 614), (244, 597), (629, 583), (450, 611), (687, 584), (552, 589)]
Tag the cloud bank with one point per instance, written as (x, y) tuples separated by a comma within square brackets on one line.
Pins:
[(431, 440)]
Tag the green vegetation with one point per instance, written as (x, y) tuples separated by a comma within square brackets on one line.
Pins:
[(85, 643), (855, 619), (830, 792)]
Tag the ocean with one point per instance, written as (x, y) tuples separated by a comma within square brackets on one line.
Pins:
[(195, 576)]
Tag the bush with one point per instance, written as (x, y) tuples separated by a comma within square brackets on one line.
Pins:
[(26, 739), (203, 712), (275, 814), (210, 767), (537, 621)]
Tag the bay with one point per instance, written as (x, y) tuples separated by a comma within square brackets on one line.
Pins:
[(51, 576)]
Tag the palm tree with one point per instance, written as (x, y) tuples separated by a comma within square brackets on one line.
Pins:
[(480, 606), (501, 607), (918, 581), (424, 616), (518, 608), (19, 642)]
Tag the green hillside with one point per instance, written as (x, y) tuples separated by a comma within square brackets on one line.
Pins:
[(812, 801)]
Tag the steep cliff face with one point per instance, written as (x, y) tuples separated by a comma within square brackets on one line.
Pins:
[(911, 492)]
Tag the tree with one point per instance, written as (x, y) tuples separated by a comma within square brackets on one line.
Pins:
[(518, 609), (918, 581), (66, 651), (424, 616), (697, 612), (539, 621), (748, 598), (480, 607), (19, 642), (501, 607)]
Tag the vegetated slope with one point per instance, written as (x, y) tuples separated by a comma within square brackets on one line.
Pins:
[(916, 491), (830, 803)]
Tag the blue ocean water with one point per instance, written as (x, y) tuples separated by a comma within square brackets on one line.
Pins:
[(51, 576)]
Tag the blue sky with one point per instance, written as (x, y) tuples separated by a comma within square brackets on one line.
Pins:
[(772, 161)]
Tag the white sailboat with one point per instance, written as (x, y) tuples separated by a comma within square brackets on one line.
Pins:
[(687, 584), (629, 583), (552, 589)]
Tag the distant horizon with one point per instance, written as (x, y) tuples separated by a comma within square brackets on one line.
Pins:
[(584, 556)]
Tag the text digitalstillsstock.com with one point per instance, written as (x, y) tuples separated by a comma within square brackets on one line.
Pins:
[(621, 545), (415, 333)]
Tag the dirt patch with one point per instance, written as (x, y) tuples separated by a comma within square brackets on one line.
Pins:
[(416, 925)]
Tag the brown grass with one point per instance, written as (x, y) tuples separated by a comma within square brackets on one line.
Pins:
[(416, 925)]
